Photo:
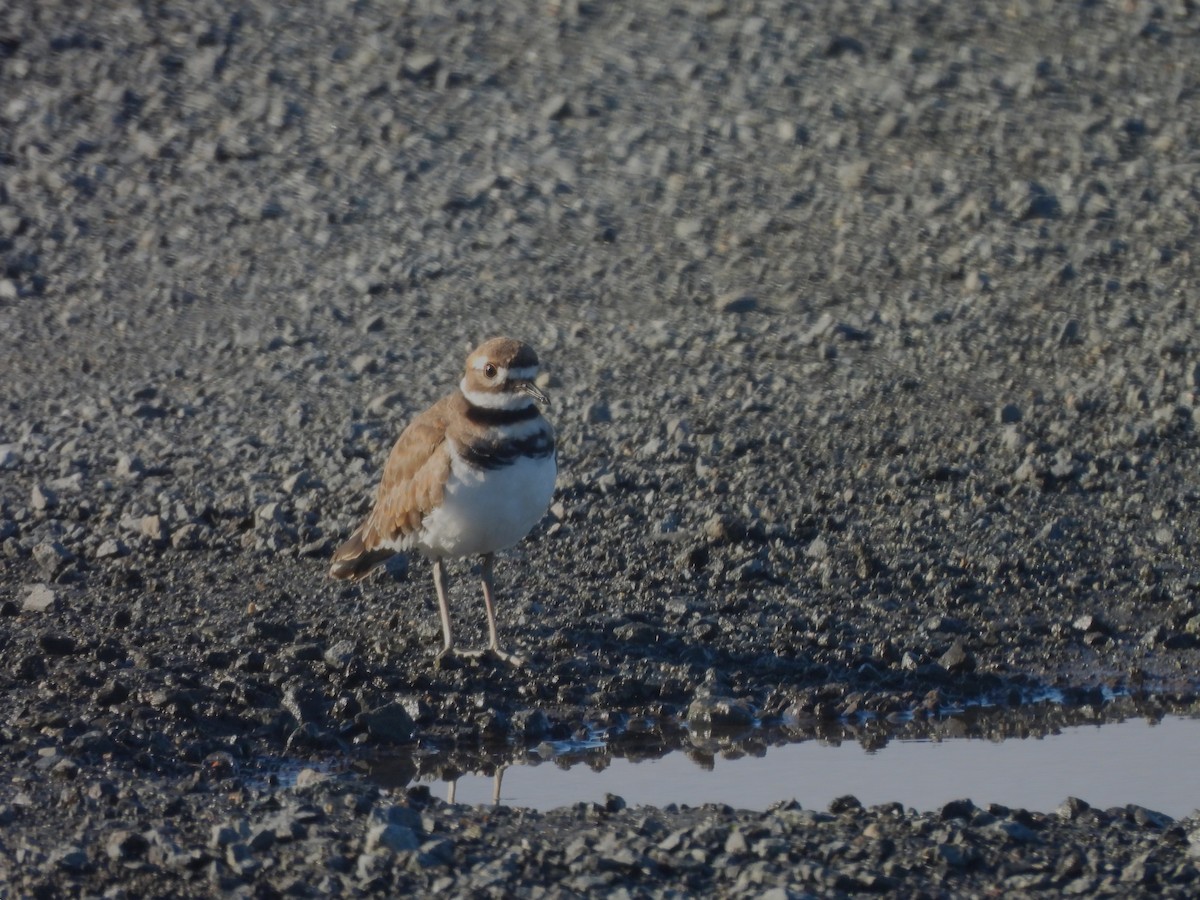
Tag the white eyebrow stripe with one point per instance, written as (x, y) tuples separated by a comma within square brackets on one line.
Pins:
[(482, 363)]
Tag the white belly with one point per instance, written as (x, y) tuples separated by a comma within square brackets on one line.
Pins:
[(487, 510)]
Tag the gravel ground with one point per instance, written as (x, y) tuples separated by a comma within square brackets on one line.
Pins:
[(872, 338)]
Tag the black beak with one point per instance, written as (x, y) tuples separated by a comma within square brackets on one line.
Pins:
[(528, 387)]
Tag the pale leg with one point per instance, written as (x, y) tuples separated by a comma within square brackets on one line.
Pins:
[(439, 583), (490, 603), (488, 600)]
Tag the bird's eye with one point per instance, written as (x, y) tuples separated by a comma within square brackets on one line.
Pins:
[(489, 370)]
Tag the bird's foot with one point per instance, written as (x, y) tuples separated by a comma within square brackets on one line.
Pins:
[(510, 659)]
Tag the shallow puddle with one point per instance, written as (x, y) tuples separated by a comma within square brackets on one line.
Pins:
[(1151, 765)]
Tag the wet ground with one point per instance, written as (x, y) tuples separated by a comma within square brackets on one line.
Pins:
[(1141, 762), (871, 342)]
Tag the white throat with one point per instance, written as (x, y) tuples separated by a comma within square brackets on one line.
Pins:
[(495, 399)]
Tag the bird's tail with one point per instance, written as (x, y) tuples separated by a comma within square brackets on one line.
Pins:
[(354, 560)]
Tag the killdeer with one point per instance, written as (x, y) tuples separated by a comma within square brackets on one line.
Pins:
[(469, 476)]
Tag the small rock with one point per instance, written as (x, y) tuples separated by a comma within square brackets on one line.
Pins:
[(420, 65), (530, 724), (736, 843), (1009, 414), (268, 515), (262, 837), (940, 624), (954, 856), (57, 644), (43, 499), (298, 482), (64, 769), (1030, 200), (30, 667), (1069, 334), (370, 866), (737, 302), (113, 691), (339, 655), (390, 722), (1156, 635), (41, 598), (111, 549), (958, 809), (1015, 832), (556, 108), (956, 659), (53, 558), (851, 175), (188, 537), (309, 777), (124, 845), (614, 803), (1091, 624), (1148, 818), (129, 466), (390, 836), (222, 836), (438, 851), (381, 403), (241, 859), (719, 713), (153, 528), (845, 803), (719, 529), (303, 704)]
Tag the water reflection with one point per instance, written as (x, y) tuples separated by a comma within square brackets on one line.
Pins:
[(979, 754), (1114, 765)]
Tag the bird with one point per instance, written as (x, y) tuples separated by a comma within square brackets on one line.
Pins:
[(469, 476)]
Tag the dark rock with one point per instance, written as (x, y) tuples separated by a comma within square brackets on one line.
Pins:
[(530, 724), (72, 858), (557, 107), (719, 714), (1148, 818), (124, 845), (847, 803), (339, 655), (303, 704), (1072, 808), (1009, 414), (390, 723), (940, 624), (57, 644), (956, 659), (958, 809)]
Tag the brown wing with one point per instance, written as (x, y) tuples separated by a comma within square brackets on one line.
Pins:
[(413, 480)]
